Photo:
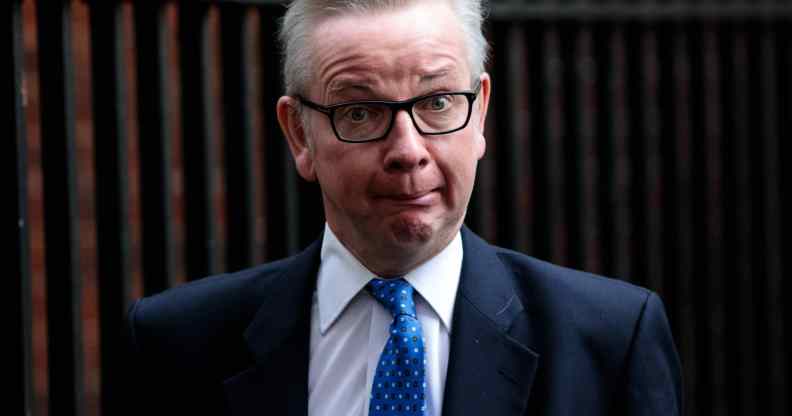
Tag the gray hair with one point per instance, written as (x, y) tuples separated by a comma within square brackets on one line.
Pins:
[(302, 15)]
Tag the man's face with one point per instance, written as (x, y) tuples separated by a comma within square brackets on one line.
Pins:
[(396, 202)]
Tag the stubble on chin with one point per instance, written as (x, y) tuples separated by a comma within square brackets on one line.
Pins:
[(411, 230)]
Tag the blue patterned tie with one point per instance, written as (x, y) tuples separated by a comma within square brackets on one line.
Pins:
[(399, 382)]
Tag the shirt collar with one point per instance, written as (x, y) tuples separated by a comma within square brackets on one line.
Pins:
[(342, 277), (438, 278)]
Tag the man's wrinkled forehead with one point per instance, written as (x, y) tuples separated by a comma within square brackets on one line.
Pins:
[(367, 81), (423, 44), (365, 85)]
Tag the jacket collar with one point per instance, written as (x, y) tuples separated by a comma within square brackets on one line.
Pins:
[(491, 368), (278, 339)]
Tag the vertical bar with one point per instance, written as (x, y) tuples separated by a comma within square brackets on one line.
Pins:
[(198, 139), (571, 143), (650, 177), (554, 141), (680, 242), (697, 107), (741, 220), (536, 132), (783, 55), (154, 138), (587, 124), (279, 173), (715, 306), (634, 94), (64, 300), (604, 101), (513, 195), (771, 223), (519, 155), (112, 191), (620, 180), (15, 224), (238, 141)]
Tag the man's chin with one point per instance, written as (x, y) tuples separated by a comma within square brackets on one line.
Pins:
[(411, 230)]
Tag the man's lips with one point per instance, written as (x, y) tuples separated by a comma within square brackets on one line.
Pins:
[(424, 198)]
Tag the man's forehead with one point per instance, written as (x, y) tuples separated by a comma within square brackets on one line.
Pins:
[(403, 46), (366, 80)]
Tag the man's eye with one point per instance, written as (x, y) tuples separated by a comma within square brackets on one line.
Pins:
[(357, 114), (439, 103)]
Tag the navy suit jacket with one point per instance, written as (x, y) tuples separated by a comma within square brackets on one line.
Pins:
[(528, 338)]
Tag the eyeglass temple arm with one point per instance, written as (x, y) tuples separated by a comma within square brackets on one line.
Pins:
[(315, 106)]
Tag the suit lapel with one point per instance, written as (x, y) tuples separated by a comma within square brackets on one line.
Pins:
[(278, 338), (489, 371)]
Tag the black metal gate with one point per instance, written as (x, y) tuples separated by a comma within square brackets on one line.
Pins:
[(642, 140)]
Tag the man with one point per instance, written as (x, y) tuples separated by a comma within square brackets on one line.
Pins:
[(397, 308)]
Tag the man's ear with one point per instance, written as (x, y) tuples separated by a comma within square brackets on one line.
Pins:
[(482, 101), (291, 125)]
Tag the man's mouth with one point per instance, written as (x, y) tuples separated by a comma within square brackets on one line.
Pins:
[(422, 198)]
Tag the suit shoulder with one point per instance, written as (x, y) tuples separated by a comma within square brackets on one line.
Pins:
[(211, 301), (591, 305), (571, 282)]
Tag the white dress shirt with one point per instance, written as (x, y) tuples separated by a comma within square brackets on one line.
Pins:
[(349, 328)]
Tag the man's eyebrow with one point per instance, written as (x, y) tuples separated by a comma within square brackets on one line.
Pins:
[(343, 85), (433, 76)]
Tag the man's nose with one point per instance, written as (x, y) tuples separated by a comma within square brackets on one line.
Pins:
[(406, 146)]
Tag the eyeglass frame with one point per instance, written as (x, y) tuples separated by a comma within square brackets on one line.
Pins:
[(395, 107)]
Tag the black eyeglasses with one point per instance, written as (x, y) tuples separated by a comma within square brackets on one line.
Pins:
[(370, 120)]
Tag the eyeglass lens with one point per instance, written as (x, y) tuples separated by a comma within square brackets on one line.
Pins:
[(433, 114)]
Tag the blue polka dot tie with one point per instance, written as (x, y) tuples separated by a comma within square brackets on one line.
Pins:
[(399, 383)]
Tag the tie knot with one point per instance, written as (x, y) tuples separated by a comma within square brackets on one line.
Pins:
[(395, 295)]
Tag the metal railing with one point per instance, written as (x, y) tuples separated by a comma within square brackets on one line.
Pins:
[(642, 140)]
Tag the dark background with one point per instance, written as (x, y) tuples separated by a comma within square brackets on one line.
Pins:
[(642, 140)]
